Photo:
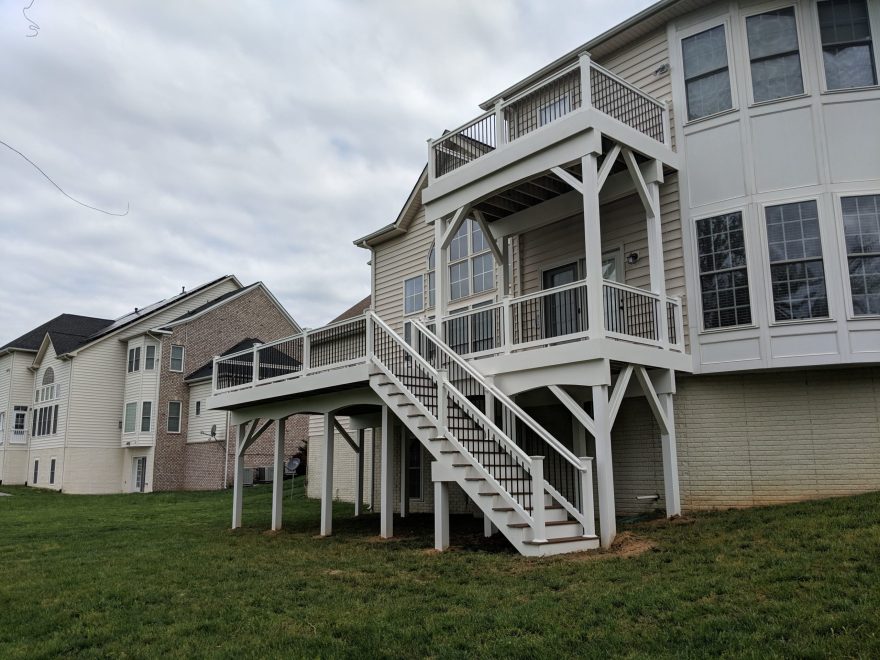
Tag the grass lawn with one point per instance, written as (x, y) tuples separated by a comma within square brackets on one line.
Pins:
[(160, 574)]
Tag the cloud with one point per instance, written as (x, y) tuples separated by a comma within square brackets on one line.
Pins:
[(254, 138)]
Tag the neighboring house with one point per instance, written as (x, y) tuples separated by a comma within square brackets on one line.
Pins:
[(646, 276), (118, 405)]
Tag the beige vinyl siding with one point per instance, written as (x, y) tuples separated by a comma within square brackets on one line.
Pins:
[(5, 389), (13, 468), (62, 373), (22, 393), (140, 386), (199, 428), (396, 260)]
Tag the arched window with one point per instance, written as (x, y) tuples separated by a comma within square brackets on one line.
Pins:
[(49, 376)]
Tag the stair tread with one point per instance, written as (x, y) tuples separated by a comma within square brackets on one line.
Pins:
[(562, 539), (527, 508), (549, 523)]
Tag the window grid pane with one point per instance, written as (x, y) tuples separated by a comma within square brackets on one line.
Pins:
[(724, 281), (130, 415), (413, 295), (796, 267), (458, 247), (459, 281), (847, 47), (707, 78), (146, 413), (774, 54), (861, 226), (484, 273)]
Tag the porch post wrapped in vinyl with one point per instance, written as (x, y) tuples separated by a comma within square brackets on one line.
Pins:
[(593, 247), (604, 466), (404, 474), (386, 497), (441, 278), (327, 476), (359, 477), (670, 459), (238, 483), (441, 515), (278, 475), (656, 261)]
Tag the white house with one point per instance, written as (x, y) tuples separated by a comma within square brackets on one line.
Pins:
[(645, 276)]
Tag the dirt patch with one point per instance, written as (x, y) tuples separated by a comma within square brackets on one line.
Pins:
[(678, 521), (625, 546)]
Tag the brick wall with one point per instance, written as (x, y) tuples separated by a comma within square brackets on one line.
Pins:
[(200, 465)]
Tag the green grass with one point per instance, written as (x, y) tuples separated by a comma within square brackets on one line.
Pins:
[(160, 574)]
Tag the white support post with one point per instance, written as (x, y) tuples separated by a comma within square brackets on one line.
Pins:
[(386, 497), (539, 524), (214, 372), (593, 247), (670, 460), (499, 124), (667, 125), (359, 477), (586, 88), (604, 467), (488, 527), (432, 166), (442, 399), (507, 312), (369, 336), (441, 278), (656, 263), (588, 507), (506, 267), (256, 365), (238, 483), (278, 475), (404, 473), (441, 515), (327, 475), (307, 351)]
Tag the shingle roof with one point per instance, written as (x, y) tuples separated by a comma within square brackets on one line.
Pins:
[(354, 311), (67, 331)]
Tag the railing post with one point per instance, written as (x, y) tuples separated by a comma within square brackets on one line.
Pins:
[(587, 506), (507, 323), (214, 375), (255, 376), (307, 351), (679, 322), (499, 125), (539, 531), (369, 336), (586, 87), (432, 165), (667, 132), (442, 407)]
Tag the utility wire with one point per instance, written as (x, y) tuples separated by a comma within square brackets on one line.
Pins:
[(31, 24), (60, 189)]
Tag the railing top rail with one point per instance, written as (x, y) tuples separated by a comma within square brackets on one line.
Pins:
[(601, 69), (547, 292), (539, 84), (631, 288), (469, 311), (422, 362), (460, 129), (504, 399)]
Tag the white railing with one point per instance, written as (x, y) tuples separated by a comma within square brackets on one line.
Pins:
[(331, 347), (544, 102)]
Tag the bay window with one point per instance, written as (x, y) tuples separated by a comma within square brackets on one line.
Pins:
[(861, 229), (847, 47), (774, 56), (724, 279), (706, 73)]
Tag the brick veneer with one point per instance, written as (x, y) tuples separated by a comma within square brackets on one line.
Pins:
[(200, 466)]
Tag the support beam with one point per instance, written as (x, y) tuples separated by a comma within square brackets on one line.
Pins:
[(441, 515), (404, 473), (574, 408), (327, 476), (278, 475), (653, 399), (487, 234), (238, 479), (607, 164), (604, 467), (639, 181), (386, 497), (505, 267), (359, 477), (457, 219), (345, 435), (488, 527), (670, 460), (593, 248), (569, 178), (618, 394)]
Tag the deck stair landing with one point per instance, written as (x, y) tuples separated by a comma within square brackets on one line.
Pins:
[(542, 504)]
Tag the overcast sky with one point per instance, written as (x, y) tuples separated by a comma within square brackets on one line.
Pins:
[(255, 138)]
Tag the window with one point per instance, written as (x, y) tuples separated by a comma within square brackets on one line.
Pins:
[(150, 357), (796, 270), (18, 423), (413, 295), (134, 359), (472, 267), (724, 280), (198, 408), (146, 413), (2, 423), (49, 376), (36, 470), (847, 48), (861, 229), (176, 358), (130, 418), (52, 471), (774, 55), (706, 73), (55, 421), (415, 470), (553, 110), (174, 416)]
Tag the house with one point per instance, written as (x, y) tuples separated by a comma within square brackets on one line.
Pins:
[(102, 406), (646, 276)]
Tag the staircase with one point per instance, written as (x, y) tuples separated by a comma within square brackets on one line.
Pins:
[(542, 504)]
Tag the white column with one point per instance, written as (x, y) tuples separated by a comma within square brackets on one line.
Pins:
[(593, 246), (656, 264), (506, 267), (488, 528), (670, 459), (278, 475), (579, 438), (327, 476), (604, 466), (238, 478), (441, 277), (359, 477), (404, 474), (441, 515), (386, 497)]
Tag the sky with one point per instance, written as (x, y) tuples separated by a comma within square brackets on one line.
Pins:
[(254, 138)]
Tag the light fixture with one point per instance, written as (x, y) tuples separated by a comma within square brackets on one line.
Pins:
[(632, 258), (660, 70)]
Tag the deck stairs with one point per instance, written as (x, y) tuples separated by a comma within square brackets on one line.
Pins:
[(542, 504)]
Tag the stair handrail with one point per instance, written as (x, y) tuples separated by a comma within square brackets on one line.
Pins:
[(545, 435)]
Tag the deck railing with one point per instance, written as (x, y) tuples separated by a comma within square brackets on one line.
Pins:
[(543, 103)]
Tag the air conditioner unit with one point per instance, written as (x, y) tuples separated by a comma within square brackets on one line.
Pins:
[(249, 476), (269, 474)]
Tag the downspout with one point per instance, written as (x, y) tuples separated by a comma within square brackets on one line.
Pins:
[(226, 457), (66, 421)]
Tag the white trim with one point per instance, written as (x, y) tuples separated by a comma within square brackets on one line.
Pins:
[(424, 294), (182, 358), (819, 58), (691, 31), (136, 417), (843, 256), (179, 417)]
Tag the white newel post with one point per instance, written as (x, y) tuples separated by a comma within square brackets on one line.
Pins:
[(432, 166), (307, 351), (278, 475), (500, 138), (359, 477), (539, 525), (586, 88), (593, 247), (670, 459), (507, 311), (604, 466), (442, 399), (587, 504), (327, 475), (441, 279), (387, 480), (369, 336), (256, 365), (214, 378), (656, 263), (441, 515), (238, 483)]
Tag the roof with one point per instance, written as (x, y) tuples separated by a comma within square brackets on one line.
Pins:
[(67, 331), (206, 370), (354, 311), (404, 218), (212, 303)]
